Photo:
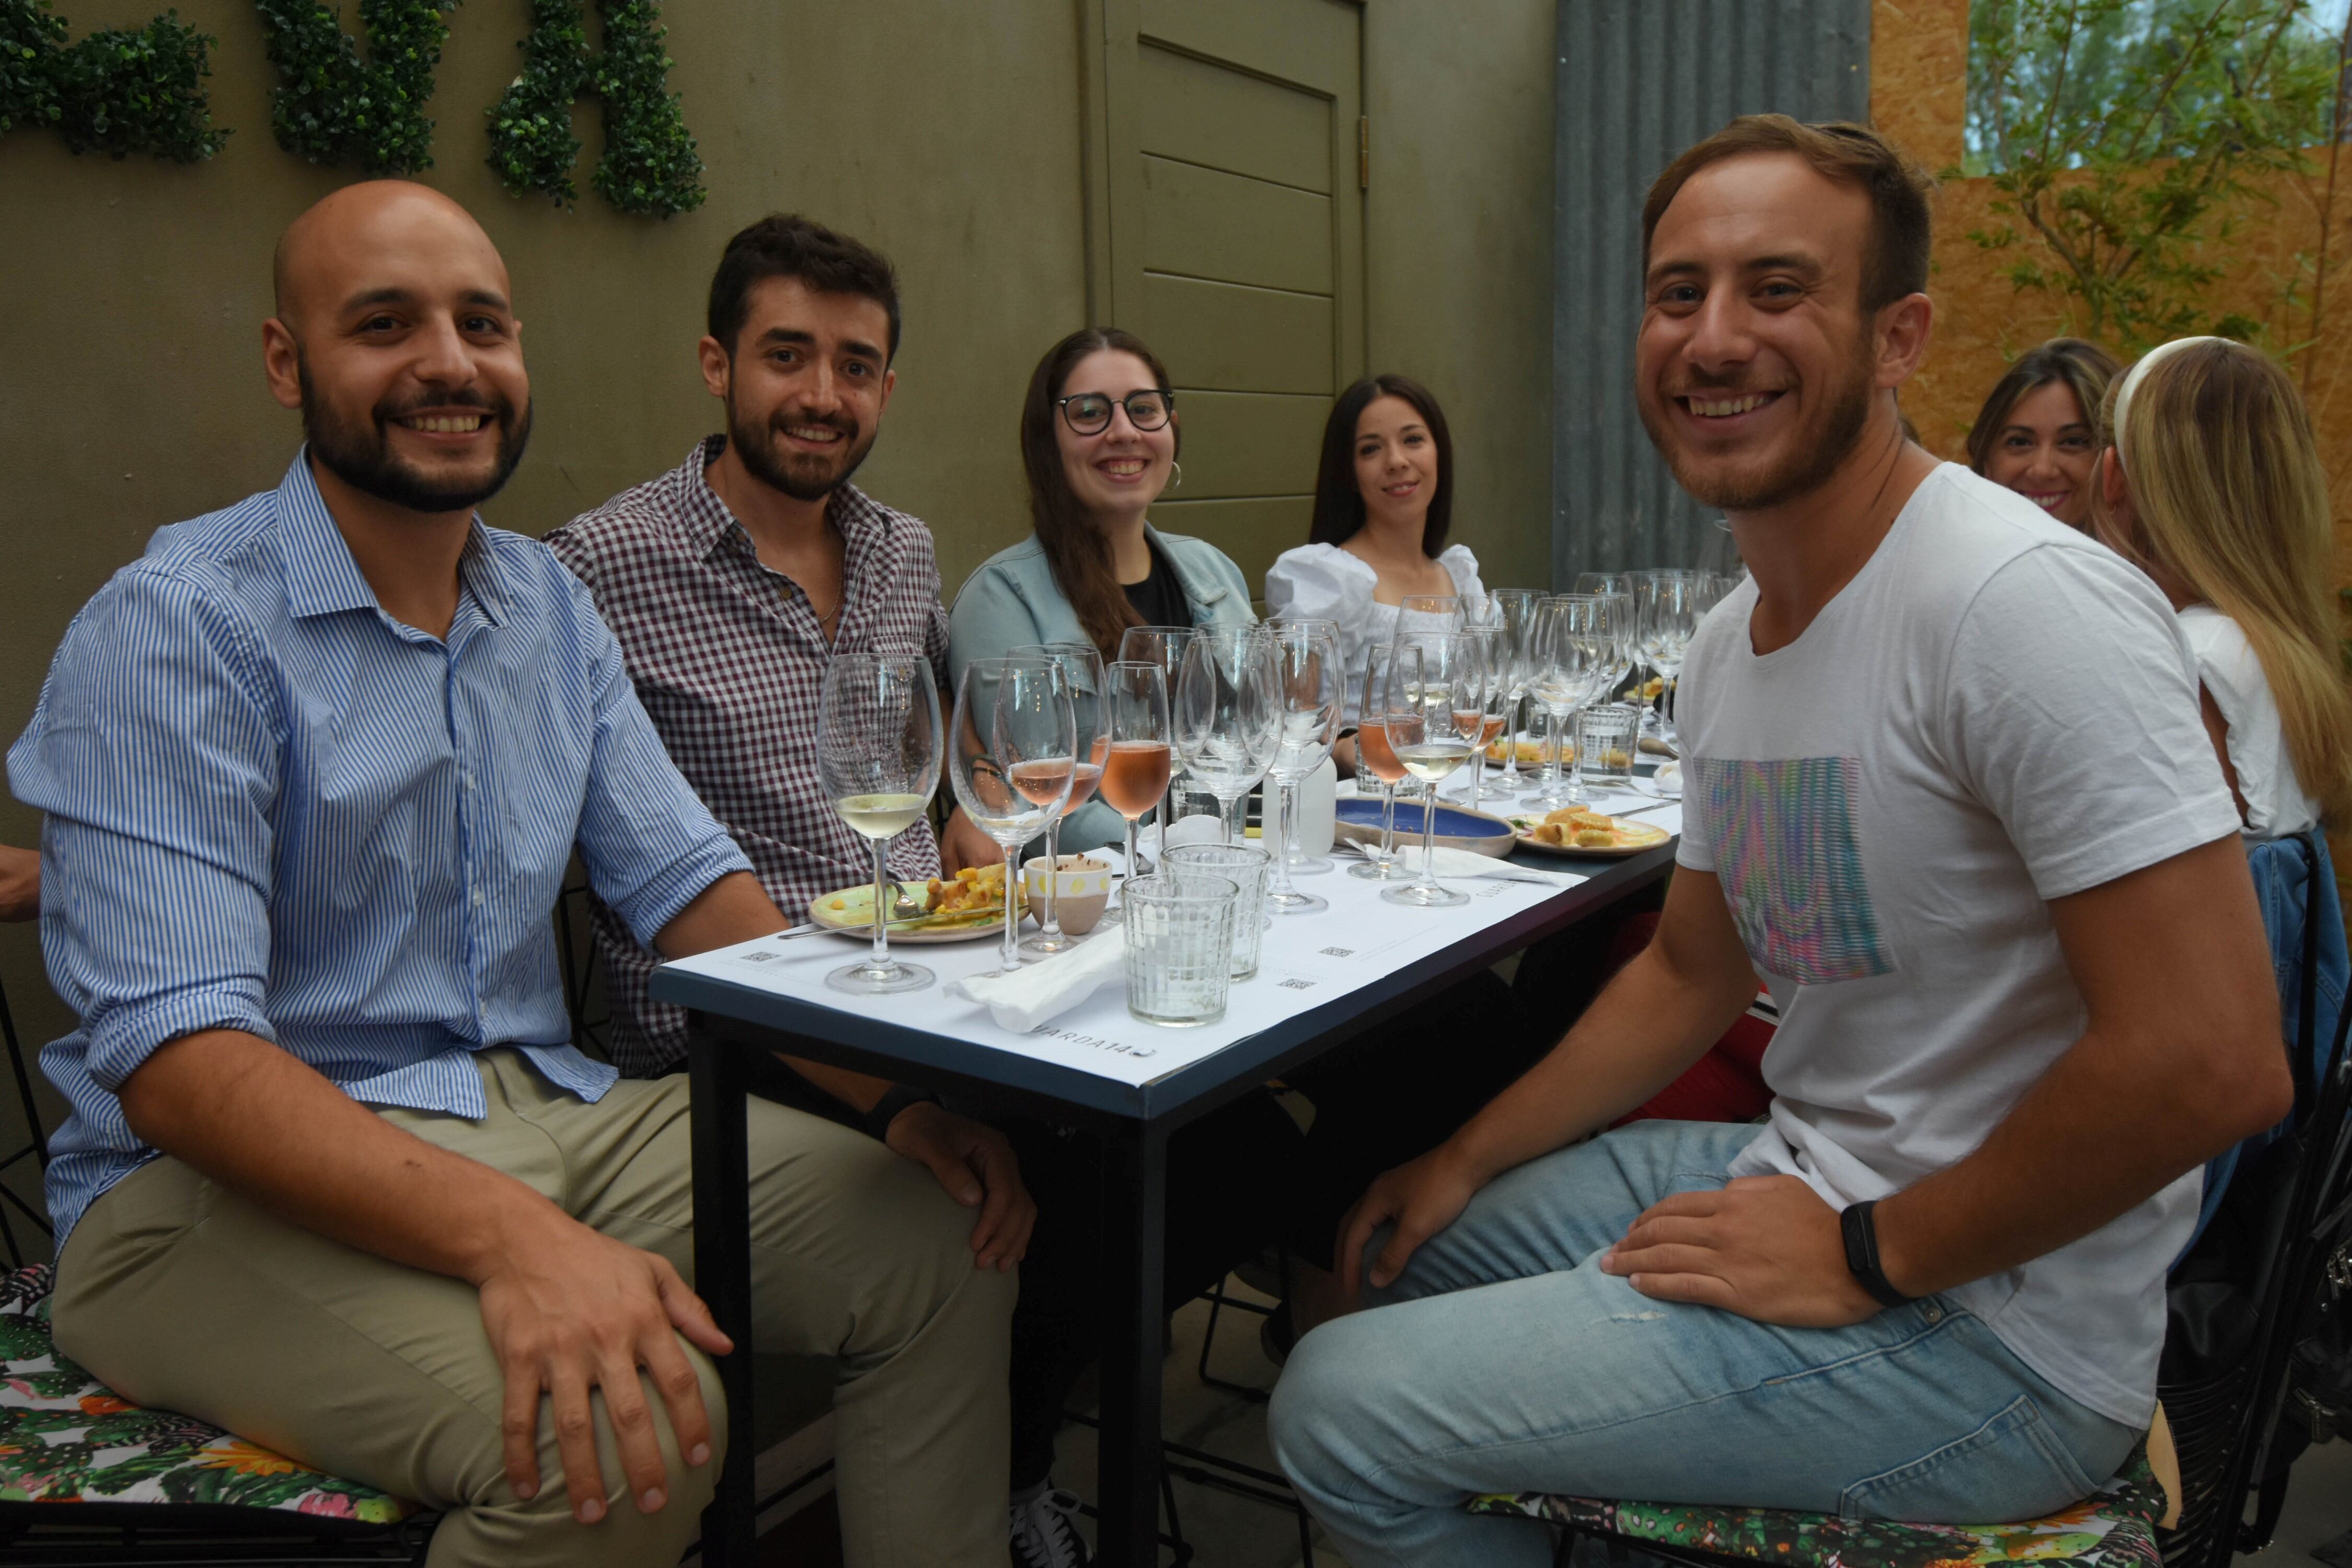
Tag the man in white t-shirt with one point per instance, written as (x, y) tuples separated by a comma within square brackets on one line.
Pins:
[(1948, 791)]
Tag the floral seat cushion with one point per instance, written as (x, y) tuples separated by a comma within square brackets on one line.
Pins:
[(2115, 1527), (65, 1437)]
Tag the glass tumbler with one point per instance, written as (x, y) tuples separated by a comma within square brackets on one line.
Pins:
[(1180, 943), (1245, 866), (1605, 738)]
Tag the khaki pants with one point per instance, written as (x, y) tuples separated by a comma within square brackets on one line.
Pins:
[(186, 1297)]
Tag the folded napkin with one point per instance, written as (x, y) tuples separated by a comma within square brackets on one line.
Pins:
[(1036, 992), (1463, 864)]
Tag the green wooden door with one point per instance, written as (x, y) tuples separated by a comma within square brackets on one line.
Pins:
[(1226, 170)]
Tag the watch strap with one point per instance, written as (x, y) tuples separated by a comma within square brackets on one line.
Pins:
[(895, 1099), (1861, 1232)]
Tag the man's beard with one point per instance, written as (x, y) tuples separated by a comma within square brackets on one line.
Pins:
[(1813, 455), (803, 475), (360, 454)]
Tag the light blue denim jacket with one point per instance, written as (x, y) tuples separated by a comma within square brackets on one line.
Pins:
[(1013, 600)]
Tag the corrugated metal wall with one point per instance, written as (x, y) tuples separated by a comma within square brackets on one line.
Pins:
[(1637, 81)]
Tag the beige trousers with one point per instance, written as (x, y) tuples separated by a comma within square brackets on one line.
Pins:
[(186, 1297)]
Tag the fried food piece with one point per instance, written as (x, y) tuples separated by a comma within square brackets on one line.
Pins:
[(1530, 751)]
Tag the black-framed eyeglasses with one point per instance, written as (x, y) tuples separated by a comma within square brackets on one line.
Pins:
[(1088, 412)]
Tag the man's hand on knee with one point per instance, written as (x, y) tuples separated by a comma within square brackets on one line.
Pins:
[(1422, 1196), (976, 1167), (1765, 1248), (570, 1310)]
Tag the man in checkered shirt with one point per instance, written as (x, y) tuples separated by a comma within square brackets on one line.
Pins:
[(732, 580)]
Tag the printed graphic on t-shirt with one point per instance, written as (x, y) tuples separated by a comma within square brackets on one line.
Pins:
[(1782, 836)]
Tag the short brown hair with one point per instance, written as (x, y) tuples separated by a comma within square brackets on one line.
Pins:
[(1900, 227), (786, 245)]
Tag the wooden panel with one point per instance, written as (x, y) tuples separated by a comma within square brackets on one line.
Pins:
[(1310, 42), (1202, 114), (1235, 339), (1207, 224), (1252, 531), (1249, 443)]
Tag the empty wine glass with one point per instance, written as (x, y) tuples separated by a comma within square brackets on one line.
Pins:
[(877, 752), (1375, 756), (1430, 679), (1010, 747), (1082, 667), (1572, 658), (1514, 612), (1163, 646), (1429, 613), (1667, 607), (1479, 725), (1228, 721), (1311, 687), (1605, 582), (1135, 770)]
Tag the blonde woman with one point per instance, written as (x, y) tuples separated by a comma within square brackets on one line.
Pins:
[(2210, 481)]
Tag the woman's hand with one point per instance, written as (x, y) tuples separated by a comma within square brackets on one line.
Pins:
[(962, 844)]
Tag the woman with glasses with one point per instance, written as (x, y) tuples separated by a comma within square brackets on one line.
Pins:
[(1383, 501), (1099, 433)]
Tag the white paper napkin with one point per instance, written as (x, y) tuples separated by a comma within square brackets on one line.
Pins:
[(1463, 864), (1036, 992)]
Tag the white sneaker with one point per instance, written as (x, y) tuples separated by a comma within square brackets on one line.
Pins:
[(1045, 1531)]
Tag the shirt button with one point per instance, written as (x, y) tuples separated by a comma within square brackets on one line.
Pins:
[(477, 900), (469, 781)]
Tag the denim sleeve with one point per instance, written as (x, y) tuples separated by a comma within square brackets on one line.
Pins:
[(648, 842), (154, 754)]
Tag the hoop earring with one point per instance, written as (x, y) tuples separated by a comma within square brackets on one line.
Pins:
[(1177, 482)]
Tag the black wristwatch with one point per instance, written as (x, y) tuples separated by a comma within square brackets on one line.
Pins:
[(1862, 1255), (896, 1099)]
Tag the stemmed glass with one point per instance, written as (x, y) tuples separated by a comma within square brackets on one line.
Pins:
[(1375, 756), (1429, 613), (1228, 718), (1135, 717), (1667, 606), (1514, 612), (1311, 687), (1082, 668), (1432, 679), (1572, 658), (1480, 724), (878, 750), (1010, 749), (1605, 582), (1163, 646)]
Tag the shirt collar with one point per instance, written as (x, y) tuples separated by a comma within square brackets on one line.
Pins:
[(705, 519), (322, 578)]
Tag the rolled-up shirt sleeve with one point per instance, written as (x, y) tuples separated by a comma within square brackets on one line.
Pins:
[(154, 753), (650, 843)]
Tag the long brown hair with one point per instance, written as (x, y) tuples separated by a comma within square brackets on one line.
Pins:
[(2085, 369), (2228, 495), (1074, 548), (1340, 500)]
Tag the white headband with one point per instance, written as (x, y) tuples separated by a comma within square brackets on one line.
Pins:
[(2132, 379)]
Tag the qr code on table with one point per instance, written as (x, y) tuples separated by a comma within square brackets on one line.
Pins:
[(1339, 953), (762, 956), (1298, 985)]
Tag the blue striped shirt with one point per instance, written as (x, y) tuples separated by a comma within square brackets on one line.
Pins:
[(272, 807)]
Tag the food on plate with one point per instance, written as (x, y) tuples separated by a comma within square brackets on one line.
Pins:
[(1530, 751), (1580, 827), (972, 890)]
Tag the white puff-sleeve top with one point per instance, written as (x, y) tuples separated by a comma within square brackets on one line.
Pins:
[(2276, 804), (1325, 582)]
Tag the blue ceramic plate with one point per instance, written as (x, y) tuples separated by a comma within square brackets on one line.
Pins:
[(1458, 828)]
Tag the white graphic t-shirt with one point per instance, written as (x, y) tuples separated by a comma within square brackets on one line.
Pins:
[(1995, 712)]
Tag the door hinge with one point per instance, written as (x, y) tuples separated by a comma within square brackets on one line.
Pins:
[(1363, 152)]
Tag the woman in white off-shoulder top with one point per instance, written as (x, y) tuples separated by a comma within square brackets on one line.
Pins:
[(1383, 500)]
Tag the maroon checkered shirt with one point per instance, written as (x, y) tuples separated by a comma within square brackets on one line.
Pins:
[(728, 661)]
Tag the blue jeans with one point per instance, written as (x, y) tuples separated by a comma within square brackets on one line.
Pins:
[(1504, 1360)]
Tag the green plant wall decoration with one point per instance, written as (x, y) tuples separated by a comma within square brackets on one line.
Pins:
[(650, 166), (332, 106), (118, 91)]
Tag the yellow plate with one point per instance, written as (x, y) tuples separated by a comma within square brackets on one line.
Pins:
[(1633, 838), (854, 916)]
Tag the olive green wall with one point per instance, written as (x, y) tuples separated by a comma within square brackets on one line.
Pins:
[(945, 132)]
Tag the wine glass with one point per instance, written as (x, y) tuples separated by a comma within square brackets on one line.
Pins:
[(1431, 677), (1163, 646), (1010, 749), (1514, 612), (1667, 605), (1135, 718), (1310, 687), (1082, 667), (1571, 659), (1429, 613), (1375, 756), (1228, 721), (1605, 582), (1480, 724), (878, 753)]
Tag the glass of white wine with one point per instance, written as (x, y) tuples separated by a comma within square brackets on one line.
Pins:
[(878, 745), (1431, 678)]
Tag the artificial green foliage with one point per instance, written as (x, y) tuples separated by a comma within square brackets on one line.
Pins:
[(117, 91), (2124, 139), (330, 106), (650, 166)]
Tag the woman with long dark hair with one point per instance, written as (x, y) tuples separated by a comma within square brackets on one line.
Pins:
[(1383, 502), (2038, 430), (1100, 435)]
